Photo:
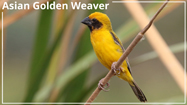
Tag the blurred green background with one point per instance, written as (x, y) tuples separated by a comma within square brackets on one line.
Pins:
[(32, 74)]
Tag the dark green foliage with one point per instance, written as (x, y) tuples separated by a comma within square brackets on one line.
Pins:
[(39, 51)]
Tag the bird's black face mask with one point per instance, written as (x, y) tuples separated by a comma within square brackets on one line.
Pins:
[(91, 23)]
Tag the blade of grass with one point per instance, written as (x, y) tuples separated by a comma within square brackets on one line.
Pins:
[(39, 50), (78, 35), (45, 63), (57, 61), (53, 68), (81, 65), (60, 16), (60, 21), (64, 45), (179, 47)]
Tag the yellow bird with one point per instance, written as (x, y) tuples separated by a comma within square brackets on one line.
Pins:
[(109, 48)]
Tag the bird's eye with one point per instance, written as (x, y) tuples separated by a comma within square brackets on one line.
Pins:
[(94, 20)]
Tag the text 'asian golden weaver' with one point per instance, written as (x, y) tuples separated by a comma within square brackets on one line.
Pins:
[(109, 48)]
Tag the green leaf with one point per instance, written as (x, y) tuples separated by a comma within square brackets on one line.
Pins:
[(41, 95), (39, 50)]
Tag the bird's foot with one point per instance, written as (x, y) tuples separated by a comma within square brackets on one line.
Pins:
[(116, 71), (100, 85)]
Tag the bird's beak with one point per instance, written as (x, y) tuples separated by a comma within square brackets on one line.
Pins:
[(87, 21)]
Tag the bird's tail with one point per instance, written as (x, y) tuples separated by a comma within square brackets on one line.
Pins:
[(138, 92)]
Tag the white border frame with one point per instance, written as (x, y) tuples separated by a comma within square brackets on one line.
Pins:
[(115, 102)]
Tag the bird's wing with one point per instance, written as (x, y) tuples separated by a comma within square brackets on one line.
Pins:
[(118, 42)]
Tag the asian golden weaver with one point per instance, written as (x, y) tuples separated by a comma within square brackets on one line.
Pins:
[(109, 48)]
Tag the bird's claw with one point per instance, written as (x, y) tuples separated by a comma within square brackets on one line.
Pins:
[(100, 85), (116, 71)]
